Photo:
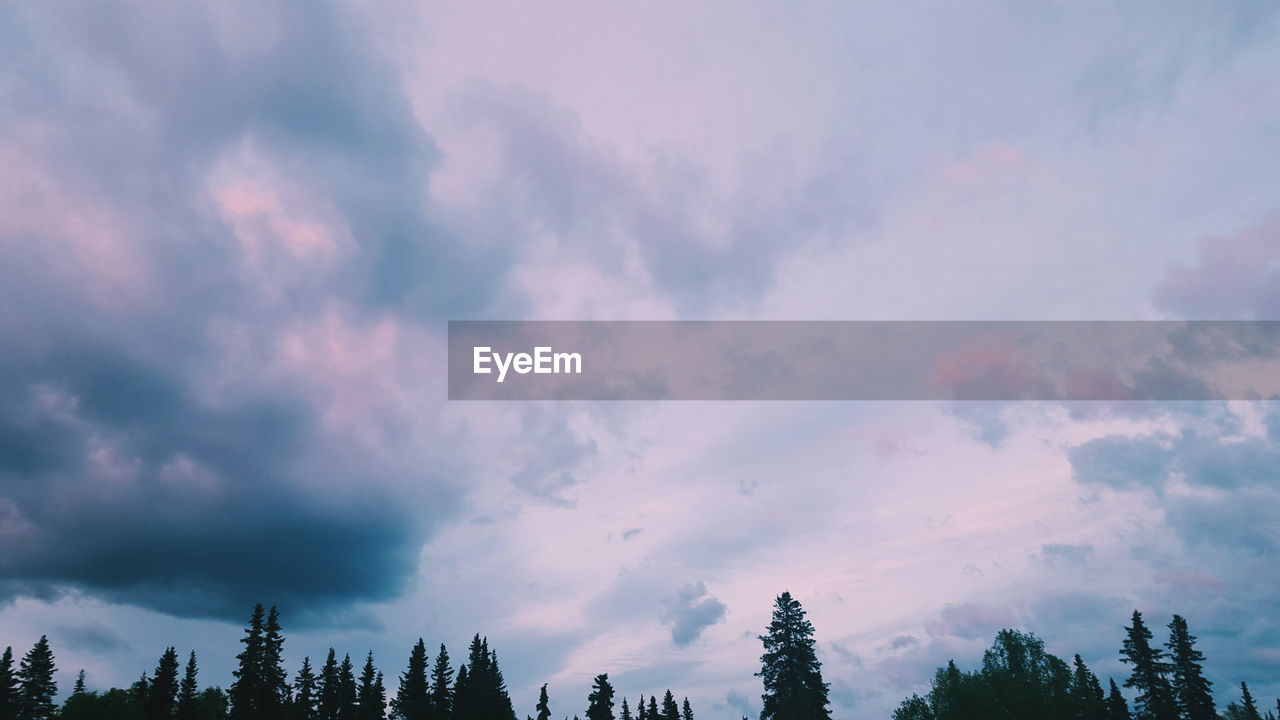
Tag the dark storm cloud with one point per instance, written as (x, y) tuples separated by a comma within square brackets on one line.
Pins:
[(91, 638), (119, 475), (690, 611)]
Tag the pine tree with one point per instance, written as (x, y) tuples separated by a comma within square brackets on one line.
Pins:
[(626, 711), (600, 701), (329, 703), (413, 698), (8, 686), (653, 709), (36, 687), (1117, 708), (78, 688), (1149, 675), (544, 704), (686, 710), (1087, 700), (642, 712), (791, 673), (246, 689), (670, 711), (347, 696), (1192, 690), (162, 693), (371, 697), (1250, 709), (306, 693), (189, 692), (441, 689), (273, 688)]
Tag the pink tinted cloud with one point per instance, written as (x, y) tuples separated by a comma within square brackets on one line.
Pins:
[(1233, 277), (985, 365)]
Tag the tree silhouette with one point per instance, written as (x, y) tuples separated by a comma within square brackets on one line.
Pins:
[(413, 698), (600, 701), (1117, 708), (8, 685), (790, 671), (306, 693), (1192, 691), (371, 696), (441, 691), (162, 693), (1149, 675), (544, 704), (36, 687)]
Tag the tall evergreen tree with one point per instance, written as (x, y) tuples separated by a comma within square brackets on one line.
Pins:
[(36, 687), (1149, 675), (306, 693), (347, 694), (626, 711), (686, 710), (413, 698), (1087, 700), (653, 709), (1117, 707), (642, 712), (600, 701), (1247, 705), (371, 696), (1191, 689), (78, 688), (441, 686), (162, 693), (8, 686), (189, 692), (670, 710), (544, 704), (246, 689), (329, 703), (273, 688), (790, 671)]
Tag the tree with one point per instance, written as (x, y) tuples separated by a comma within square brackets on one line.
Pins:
[(1149, 675), (213, 704), (245, 690), (78, 688), (1192, 690), (162, 693), (347, 694), (791, 673), (600, 701), (1116, 707), (189, 692), (329, 701), (912, 708), (670, 711), (481, 692), (8, 685), (441, 692), (371, 696), (626, 711), (686, 711), (653, 709), (273, 690), (1087, 700), (1248, 706), (413, 698), (544, 705), (306, 693), (36, 687), (642, 713)]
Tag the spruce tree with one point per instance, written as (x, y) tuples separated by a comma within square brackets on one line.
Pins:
[(329, 703), (36, 687), (273, 688), (1250, 709), (189, 692), (162, 693), (686, 710), (78, 688), (8, 685), (246, 689), (626, 711), (600, 701), (1192, 690), (1149, 675), (306, 693), (642, 712), (347, 695), (371, 697), (670, 711), (653, 709), (544, 704), (1087, 700), (413, 698), (441, 688), (1117, 708), (790, 670)]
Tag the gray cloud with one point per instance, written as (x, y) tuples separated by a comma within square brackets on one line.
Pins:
[(89, 638), (690, 611), (1065, 554)]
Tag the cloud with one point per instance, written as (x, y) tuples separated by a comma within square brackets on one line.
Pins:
[(1234, 276), (690, 611), (90, 638), (1065, 554)]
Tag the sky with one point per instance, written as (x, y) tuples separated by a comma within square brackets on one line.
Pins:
[(231, 236)]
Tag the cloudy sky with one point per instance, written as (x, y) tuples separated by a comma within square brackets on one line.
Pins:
[(230, 237)]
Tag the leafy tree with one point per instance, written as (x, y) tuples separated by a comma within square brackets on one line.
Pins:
[(791, 673), (188, 692), (686, 711), (36, 687), (913, 708), (1149, 675), (329, 703), (162, 693), (114, 704), (413, 698), (544, 705), (8, 685), (600, 701), (1192, 690), (441, 691), (670, 711), (371, 696), (1117, 708), (306, 693)]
